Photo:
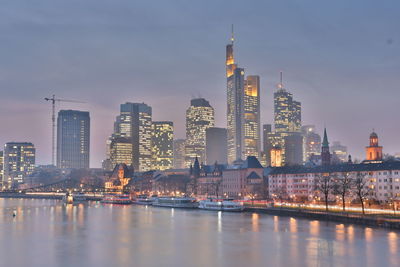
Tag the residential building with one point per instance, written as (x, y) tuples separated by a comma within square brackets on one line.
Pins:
[(73, 139)]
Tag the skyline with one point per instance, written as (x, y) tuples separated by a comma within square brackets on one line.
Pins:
[(92, 57)]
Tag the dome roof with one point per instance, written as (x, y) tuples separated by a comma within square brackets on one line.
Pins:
[(373, 135)]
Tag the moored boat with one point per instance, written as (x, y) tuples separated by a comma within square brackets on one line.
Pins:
[(143, 200), (176, 202), (122, 199), (220, 205)]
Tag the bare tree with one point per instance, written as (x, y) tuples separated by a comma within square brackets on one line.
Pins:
[(280, 193), (342, 186), (324, 185), (361, 188), (217, 185)]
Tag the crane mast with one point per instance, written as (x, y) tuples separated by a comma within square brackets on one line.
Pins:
[(53, 100)]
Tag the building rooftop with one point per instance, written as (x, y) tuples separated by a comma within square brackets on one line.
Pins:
[(388, 165)]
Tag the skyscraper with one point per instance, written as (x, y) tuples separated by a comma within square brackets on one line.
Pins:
[(19, 162), (120, 151), (243, 110), (179, 153), (311, 142), (199, 117), (216, 142), (287, 112), (162, 142), (286, 135), (134, 123), (339, 152), (73, 139), (252, 116)]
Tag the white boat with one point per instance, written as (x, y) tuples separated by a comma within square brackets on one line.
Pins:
[(220, 205), (122, 199), (143, 200), (176, 202), (74, 198)]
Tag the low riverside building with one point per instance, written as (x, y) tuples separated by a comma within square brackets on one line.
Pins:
[(237, 181), (120, 178), (382, 179)]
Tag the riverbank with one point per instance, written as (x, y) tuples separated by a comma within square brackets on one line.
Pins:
[(348, 218), (43, 196), (359, 219)]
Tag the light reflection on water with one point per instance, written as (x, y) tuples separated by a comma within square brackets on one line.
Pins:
[(49, 233)]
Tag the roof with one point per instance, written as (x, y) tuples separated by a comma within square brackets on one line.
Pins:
[(253, 175), (251, 162), (388, 165)]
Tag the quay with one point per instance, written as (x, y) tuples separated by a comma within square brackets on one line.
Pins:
[(368, 220)]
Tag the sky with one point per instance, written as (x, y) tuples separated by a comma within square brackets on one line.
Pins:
[(340, 58)]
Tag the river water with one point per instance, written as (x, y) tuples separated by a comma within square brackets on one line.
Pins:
[(50, 233)]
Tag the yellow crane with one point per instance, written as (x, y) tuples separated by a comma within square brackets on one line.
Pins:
[(53, 100)]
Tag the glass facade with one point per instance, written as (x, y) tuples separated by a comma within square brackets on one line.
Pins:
[(19, 162), (199, 117), (73, 139), (162, 145)]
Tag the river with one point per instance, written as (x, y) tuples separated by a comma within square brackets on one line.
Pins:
[(50, 233)]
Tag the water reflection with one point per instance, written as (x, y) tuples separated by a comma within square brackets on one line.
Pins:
[(54, 234)]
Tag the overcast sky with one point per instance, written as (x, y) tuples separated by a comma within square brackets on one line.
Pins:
[(341, 59)]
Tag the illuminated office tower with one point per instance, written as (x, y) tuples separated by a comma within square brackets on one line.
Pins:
[(243, 110), (199, 117), (216, 142), (251, 116), (120, 151), (339, 152), (311, 142), (19, 162), (134, 123), (287, 112), (179, 153), (162, 142), (73, 139)]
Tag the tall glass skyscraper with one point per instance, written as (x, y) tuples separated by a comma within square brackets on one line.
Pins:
[(243, 110), (134, 123), (199, 117), (162, 142), (252, 116), (73, 139)]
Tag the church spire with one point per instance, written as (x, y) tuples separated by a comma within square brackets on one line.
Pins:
[(325, 142), (325, 154)]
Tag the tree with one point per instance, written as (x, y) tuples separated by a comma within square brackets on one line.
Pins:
[(342, 186), (280, 193), (217, 185), (361, 188), (324, 185)]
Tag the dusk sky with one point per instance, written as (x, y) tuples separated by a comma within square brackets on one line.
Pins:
[(341, 59)]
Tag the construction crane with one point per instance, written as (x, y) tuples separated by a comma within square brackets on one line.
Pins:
[(53, 100)]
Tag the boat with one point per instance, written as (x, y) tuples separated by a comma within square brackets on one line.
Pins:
[(176, 202), (220, 205), (68, 198), (143, 200), (122, 199), (78, 197)]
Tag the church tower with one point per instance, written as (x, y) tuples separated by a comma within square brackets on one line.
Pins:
[(325, 154), (373, 151)]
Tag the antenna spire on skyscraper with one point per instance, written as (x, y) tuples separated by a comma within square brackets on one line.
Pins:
[(232, 36), (280, 86)]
